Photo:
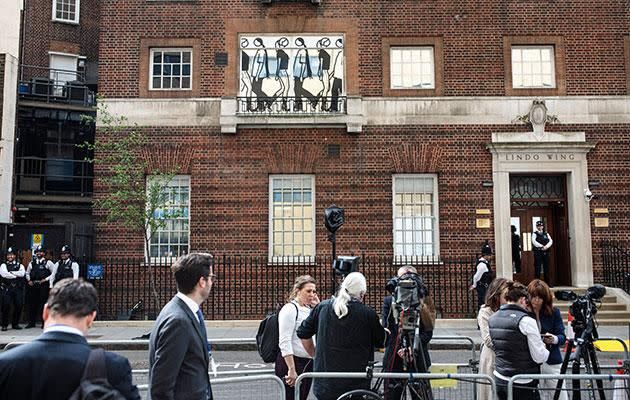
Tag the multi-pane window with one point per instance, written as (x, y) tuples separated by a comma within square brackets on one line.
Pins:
[(533, 67), (172, 240), (415, 216), (66, 10), (412, 67), (292, 217), (171, 69)]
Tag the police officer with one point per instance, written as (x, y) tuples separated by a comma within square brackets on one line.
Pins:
[(12, 284), (64, 268), (483, 275), (542, 242), (38, 275)]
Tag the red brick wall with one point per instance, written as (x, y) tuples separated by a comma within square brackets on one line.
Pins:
[(42, 35), (472, 33)]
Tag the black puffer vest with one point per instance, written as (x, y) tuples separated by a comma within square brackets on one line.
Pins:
[(510, 344)]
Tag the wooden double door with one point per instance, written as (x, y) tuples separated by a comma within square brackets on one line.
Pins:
[(524, 215)]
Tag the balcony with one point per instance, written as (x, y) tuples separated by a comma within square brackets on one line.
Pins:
[(54, 86), (60, 177)]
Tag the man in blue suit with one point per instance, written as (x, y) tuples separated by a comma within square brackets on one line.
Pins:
[(51, 366), (178, 348)]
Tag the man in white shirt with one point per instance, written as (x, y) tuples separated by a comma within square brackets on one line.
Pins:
[(64, 268), (12, 289), (517, 343), (38, 276), (542, 242)]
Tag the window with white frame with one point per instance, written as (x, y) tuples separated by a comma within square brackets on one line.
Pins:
[(415, 209), (171, 69), (173, 239), (292, 217), (66, 10), (412, 67), (533, 67)]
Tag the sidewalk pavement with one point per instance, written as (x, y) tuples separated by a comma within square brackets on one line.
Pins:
[(130, 330)]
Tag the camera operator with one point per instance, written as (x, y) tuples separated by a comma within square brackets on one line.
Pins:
[(517, 343), (398, 356), (347, 332)]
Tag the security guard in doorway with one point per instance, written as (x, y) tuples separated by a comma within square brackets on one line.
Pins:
[(38, 276), (65, 268), (12, 284), (542, 243)]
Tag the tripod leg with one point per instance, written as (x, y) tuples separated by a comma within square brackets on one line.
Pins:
[(563, 369), (596, 370), (575, 369)]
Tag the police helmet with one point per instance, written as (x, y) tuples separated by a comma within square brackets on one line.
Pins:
[(39, 249), (539, 223), (10, 251), (65, 249), (486, 250)]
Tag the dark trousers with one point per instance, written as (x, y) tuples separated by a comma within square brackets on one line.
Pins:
[(522, 391), (301, 365), (336, 90), (36, 297), (482, 288), (12, 297), (541, 264)]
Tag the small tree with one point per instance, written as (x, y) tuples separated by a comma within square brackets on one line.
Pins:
[(135, 196)]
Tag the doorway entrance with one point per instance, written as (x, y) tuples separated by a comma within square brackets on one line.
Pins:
[(536, 198)]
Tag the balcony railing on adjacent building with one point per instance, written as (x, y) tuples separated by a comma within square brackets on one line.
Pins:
[(46, 176), (54, 86)]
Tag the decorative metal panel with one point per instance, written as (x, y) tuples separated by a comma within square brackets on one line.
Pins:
[(537, 187)]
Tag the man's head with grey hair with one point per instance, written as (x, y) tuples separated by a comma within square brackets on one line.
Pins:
[(406, 269)]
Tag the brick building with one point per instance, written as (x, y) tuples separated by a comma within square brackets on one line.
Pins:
[(435, 124), (56, 85)]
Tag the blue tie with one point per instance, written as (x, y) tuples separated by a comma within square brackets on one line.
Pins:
[(202, 327)]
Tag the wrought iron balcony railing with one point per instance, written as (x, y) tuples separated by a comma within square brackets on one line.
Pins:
[(291, 105), (54, 86), (46, 176)]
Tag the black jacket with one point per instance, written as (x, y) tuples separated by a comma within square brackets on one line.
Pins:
[(51, 366), (343, 345)]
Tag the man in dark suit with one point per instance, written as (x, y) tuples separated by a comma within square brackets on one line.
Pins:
[(178, 349), (51, 366)]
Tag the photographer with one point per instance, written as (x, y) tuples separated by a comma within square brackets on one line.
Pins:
[(517, 344), (399, 356), (347, 332)]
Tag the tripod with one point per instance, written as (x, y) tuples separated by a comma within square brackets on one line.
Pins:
[(584, 351)]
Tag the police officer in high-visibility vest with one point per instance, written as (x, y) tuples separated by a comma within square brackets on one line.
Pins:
[(65, 268), (38, 276), (542, 243), (12, 284)]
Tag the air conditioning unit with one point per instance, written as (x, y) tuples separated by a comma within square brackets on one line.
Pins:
[(41, 86), (316, 2)]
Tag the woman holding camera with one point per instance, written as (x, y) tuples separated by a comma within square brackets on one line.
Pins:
[(293, 359), (551, 329), (495, 297)]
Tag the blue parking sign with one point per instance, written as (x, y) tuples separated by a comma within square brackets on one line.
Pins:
[(95, 271)]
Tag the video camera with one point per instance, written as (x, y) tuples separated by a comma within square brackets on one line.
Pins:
[(408, 292), (583, 308)]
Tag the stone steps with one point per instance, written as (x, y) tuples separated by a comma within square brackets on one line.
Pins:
[(612, 311)]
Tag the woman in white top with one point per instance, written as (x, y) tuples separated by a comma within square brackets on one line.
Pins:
[(495, 297), (293, 359)]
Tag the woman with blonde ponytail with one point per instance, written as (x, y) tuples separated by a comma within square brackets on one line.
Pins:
[(347, 332)]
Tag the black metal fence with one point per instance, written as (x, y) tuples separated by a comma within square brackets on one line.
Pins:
[(616, 265), (250, 287)]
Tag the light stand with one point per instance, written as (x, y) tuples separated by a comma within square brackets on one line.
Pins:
[(333, 219)]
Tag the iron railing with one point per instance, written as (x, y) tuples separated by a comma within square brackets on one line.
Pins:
[(54, 86), (616, 265), (35, 175), (291, 106), (250, 287)]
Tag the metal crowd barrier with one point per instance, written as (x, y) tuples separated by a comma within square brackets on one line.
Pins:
[(568, 378), (141, 344), (623, 344), (399, 375)]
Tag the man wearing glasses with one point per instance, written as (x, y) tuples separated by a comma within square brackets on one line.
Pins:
[(178, 349)]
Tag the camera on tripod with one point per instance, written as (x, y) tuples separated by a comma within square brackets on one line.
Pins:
[(583, 308), (407, 292)]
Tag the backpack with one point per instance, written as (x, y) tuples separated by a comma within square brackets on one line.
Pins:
[(94, 384), (268, 336), (487, 276)]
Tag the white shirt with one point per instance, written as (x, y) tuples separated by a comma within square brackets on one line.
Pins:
[(49, 265), (288, 341), (537, 348), (482, 268), (192, 304), (64, 329), (4, 272), (539, 245), (75, 271)]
